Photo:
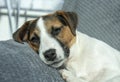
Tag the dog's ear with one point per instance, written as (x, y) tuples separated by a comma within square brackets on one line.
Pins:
[(22, 33), (68, 18)]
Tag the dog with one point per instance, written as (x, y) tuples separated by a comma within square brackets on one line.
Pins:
[(77, 56)]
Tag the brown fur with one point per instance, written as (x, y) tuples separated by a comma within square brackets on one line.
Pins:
[(25, 34), (66, 37), (34, 45), (70, 19)]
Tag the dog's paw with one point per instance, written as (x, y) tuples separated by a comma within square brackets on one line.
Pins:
[(66, 75)]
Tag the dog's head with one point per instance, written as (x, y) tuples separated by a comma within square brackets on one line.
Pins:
[(57, 35), (30, 33), (51, 35)]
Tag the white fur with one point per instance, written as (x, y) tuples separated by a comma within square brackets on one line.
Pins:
[(92, 60), (47, 42)]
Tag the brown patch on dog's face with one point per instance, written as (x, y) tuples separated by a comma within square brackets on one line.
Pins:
[(62, 26), (66, 37), (29, 33), (34, 39)]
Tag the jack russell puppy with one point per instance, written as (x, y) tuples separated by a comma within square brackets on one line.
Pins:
[(79, 57)]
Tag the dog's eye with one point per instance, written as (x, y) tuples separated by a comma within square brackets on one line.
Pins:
[(56, 31), (35, 39)]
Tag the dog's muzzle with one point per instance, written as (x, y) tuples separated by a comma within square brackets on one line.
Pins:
[(53, 58), (51, 55)]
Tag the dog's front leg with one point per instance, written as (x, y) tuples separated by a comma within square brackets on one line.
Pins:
[(68, 76)]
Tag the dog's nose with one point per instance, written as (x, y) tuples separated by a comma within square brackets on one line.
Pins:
[(50, 54)]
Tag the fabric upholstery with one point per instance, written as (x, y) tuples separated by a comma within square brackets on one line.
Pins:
[(19, 63)]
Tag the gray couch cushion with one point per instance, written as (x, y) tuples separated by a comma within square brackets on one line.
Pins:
[(19, 63), (98, 18)]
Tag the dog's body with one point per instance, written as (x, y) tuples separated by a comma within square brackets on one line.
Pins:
[(86, 59), (92, 60)]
